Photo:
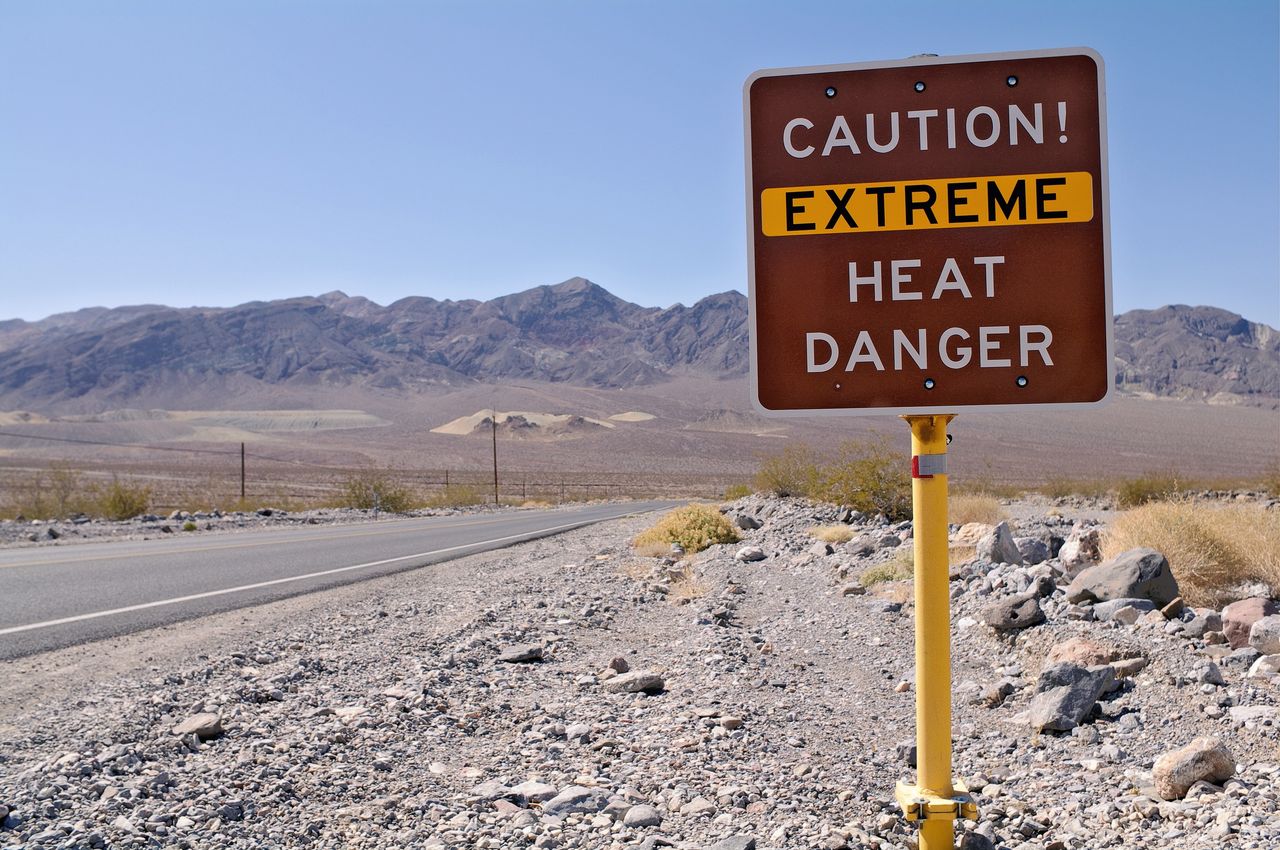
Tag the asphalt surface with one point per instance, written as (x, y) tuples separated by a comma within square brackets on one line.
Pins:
[(65, 595)]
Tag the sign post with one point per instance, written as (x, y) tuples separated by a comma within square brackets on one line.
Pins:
[(929, 236)]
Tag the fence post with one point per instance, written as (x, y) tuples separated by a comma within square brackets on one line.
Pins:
[(242, 472)]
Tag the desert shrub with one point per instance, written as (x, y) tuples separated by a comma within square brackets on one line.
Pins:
[(736, 491), (121, 499), (832, 533), (189, 526), (29, 497), (693, 527), (1152, 487), (974, 507), (899, 568), (1269, 482), (791, 472), (868, 476), (455, 496), (373, 488), (1212, 549)]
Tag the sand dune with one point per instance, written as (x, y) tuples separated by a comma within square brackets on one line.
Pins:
[(548, 421)]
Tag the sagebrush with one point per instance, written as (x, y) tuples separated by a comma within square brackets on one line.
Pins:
[(693, 527), (372, 488), (865, 474)]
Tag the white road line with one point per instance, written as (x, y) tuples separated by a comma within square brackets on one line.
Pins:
[(95, 615)]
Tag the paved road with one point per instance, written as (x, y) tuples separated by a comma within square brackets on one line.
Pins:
[(60, 596)]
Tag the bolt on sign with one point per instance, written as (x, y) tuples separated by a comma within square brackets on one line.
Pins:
[(929, 234)]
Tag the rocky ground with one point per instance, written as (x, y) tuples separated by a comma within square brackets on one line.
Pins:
[(570, 694)]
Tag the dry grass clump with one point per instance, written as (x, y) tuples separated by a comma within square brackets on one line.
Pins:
[(1212, 549), (832, 533), (865, 474), (900, 568), (736, 491), (974, 507), (693, 527), (367, 489)]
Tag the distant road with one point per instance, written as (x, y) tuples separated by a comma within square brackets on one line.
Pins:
[(64, 595)]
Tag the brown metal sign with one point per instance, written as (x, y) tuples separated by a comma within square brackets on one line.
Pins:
[(929, 235)]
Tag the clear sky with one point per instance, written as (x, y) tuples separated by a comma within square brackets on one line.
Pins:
[(213, 153)]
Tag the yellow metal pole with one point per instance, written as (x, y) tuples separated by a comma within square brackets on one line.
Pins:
[(934, 789)]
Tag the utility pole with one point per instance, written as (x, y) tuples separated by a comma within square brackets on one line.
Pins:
[(494, 420), (242, 472)]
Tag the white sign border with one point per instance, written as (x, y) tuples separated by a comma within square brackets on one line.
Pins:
[(926, 61)]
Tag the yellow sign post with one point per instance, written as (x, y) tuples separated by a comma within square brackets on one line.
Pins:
[(936, 800)]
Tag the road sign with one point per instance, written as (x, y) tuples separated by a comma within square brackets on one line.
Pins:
[(929, 235)]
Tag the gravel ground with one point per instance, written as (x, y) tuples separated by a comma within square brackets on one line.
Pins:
[(381, 715)]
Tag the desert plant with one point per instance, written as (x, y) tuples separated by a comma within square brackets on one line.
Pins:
[(692, 527), (791, 472), (832, 533), (456, 495), (28, 497), (736, 491), (869, 476), (1212, 549), (121, 499), (367, 489), (189, 526), (901, 567), (974, 507), (1152, 487)]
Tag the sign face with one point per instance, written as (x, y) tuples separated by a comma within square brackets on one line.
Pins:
[(929, 235)]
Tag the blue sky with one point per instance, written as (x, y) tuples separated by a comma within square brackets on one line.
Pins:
[(206, 153)]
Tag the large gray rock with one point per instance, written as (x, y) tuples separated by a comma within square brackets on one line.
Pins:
[(1013, 613), (1238, 618), (1065, 694), (641, 816), (1204, 759), (1033, 550), (523, 654), (205, 726), (737, 842), (1083, 548), (998, 547), (576, 799), (1107, 610), (1136, 574)]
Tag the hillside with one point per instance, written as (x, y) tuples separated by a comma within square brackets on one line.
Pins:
[(574, 333)]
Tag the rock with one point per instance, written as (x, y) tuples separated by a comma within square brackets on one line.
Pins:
[(853, 589), (1065, 694), (975, 841), (1138, 573), (1013, 613), (1081, 652), (1128, 615), (1238, 618), (1203, 622), (1032, 549), (1107, 610), (1174, 609), (972, 532), (1082, 548), (1204, 759), (737, 842), (747, 523), (642, 816), (997, 547), (523, 654), (205, 726), (1264, 635), (1266, 667), (750, 553), (634, 682), (576, 800), (1127, 668), (619, 665), (534, 792)]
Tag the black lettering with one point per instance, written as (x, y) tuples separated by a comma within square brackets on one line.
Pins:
[(1018, 196), (925, 206), (880, 192), (1043, 197), (842, 207), (954, 203), (793, 208)]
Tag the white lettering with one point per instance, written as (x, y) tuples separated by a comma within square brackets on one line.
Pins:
[(1041, 346), (923, 116), (917, 352), (950, 278), (809, 340), (964, 352), (893, 133), (897, 277), (798, 153), (840, 136), (985, 141), (864, 351), (1035, 129), (874, 280), (991, 275), (986, 345)]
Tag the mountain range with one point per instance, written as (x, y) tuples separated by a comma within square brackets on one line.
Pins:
[(574, 333)]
